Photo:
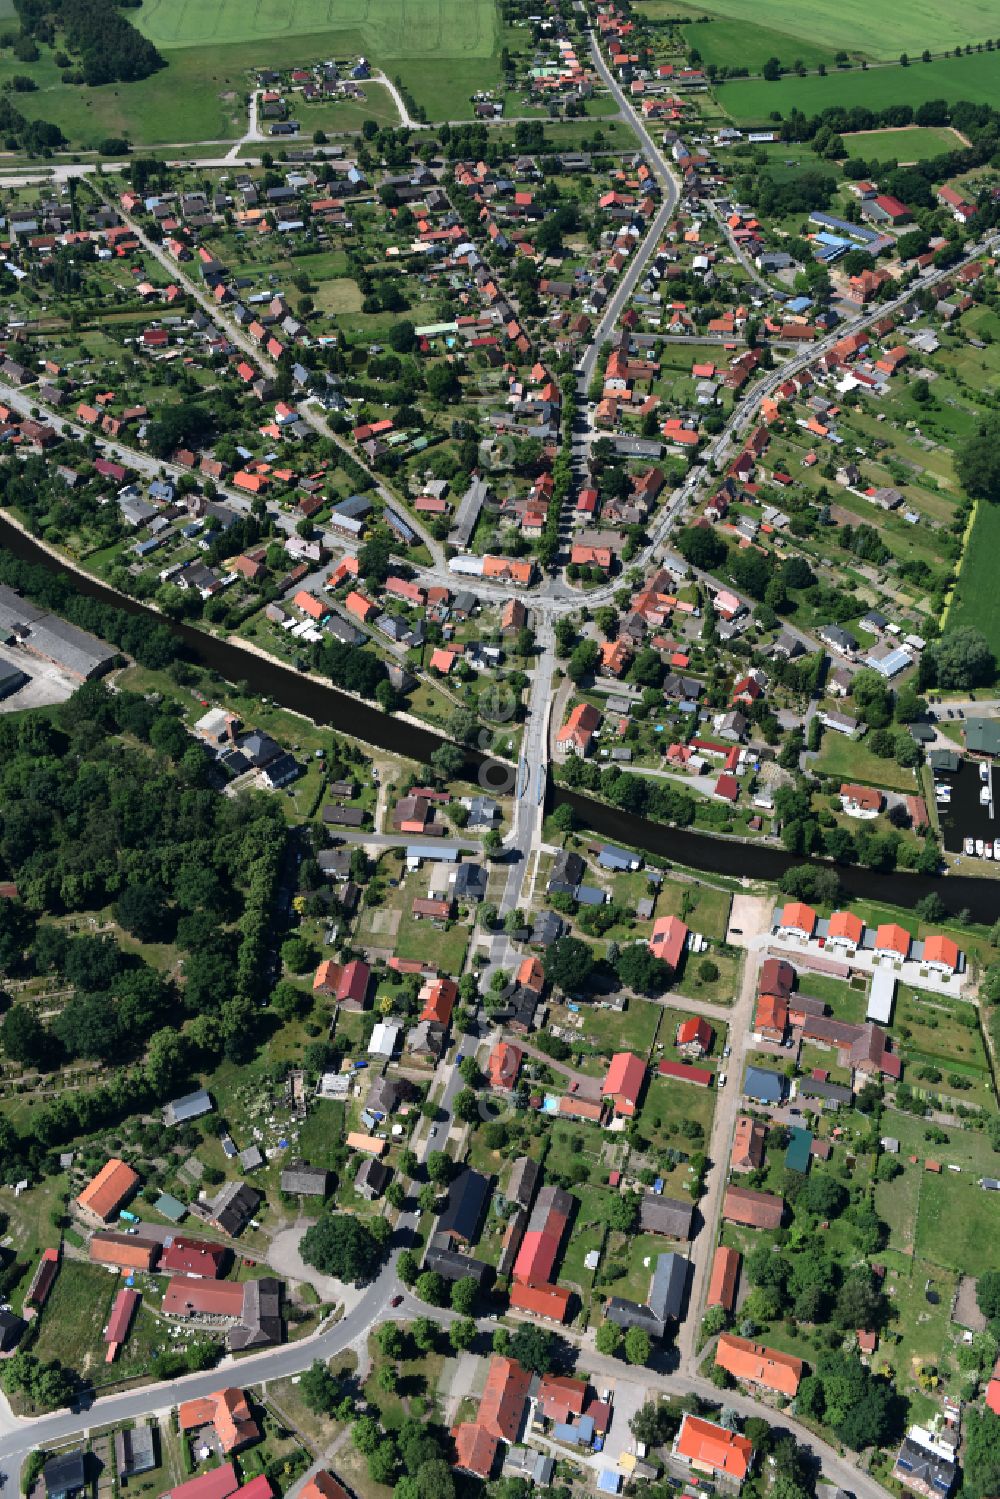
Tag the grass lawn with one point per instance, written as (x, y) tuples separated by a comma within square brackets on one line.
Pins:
[(840, 756), (350, 114), (705, 909), (876, 29), (846, 1002), (72, 1324), (896, 1203), (975, 78), (939, 1038), (608, 1031), (321, 1132), (912, 143), (198, 97), (958, 1223), (973, 603), (628, 1255)]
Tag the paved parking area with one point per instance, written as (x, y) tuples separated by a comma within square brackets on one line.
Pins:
[(47, 683)]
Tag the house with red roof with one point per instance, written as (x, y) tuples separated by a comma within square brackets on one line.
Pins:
[(845, 930), (892, 941), (623, 1083), (668, 940), (503, 1066), (498, 1419), (941, 954), (722, 1285), (694, 1036), (577, 733), (761, 1368), (712, 1450), (797, 920)]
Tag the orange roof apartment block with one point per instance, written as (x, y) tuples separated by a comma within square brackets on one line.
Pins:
[(103, 1196), (757, 1365)]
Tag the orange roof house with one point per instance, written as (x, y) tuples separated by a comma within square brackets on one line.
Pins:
[(359, 606), (122, 1251), (892, 940), (623, 1082), (501, 1410), (475, 1449), (798, 917), (549, 1302), (752, 1209), (578, 730), (503, 1066), (772, 1016), (309, 604), (722, 1286), (438, 998), (531, 975), (667, 940), (229, 1413), (103, 1196), (756, 1365), (941, 952), (748, 1144), (694, 1035), (327, 977), (709, 1448), (845, 927)]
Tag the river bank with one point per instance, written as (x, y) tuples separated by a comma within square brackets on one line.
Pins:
[(325, 704)]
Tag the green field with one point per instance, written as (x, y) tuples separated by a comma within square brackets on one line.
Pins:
[(957, 1223), (914, 143), (743, 44), (975, 78), (874, 28), (974, 602), (382, 28)]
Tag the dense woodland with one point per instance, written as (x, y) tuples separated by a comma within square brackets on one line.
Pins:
[(106, 801), (109, 47)]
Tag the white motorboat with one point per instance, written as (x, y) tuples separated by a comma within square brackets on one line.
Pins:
[(969, 846), (980, 847)]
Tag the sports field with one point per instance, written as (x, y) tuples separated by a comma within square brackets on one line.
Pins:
[(379, 28), (915, 143), (877, 29), (975, 78), (975, 599)]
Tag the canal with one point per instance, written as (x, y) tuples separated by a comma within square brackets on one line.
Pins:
[(326, 705)]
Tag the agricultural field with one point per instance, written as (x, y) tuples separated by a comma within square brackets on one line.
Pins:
[(974, 600), (739, 43), (911, 143), (878, 31), (976, 78)]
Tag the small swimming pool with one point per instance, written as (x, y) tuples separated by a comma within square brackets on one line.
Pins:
[(550, 1103)]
